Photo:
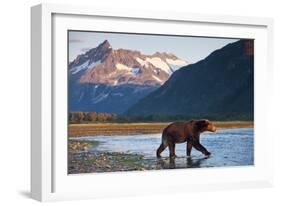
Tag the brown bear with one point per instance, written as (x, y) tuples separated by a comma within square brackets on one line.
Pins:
[(180, 132)]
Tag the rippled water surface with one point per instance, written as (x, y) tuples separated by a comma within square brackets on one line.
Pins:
[(229, 147)]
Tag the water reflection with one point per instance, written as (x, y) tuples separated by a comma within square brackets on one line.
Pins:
[(180, 162)]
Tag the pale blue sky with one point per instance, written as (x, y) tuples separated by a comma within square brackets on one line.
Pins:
[(191, 49)]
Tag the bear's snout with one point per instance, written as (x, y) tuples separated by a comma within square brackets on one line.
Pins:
[(212, 128)]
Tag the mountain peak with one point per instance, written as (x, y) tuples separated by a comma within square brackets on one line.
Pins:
[(112, 80), (105, 44), (103, 65)]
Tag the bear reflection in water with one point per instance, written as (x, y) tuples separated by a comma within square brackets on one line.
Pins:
[(180, 162)]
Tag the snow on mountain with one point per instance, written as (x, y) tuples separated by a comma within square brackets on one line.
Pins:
[(84, 66), (178, 62), (79, 68), (135, 70), (142, 62), (93, 64), (104, 79), (123, 67), (159, 63), (156, 78), (105, 65), (167, 65), (99, 98)]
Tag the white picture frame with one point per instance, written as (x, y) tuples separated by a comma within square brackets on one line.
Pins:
[(48, 154)]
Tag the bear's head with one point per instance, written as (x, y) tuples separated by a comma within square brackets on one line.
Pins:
[(205, 125)]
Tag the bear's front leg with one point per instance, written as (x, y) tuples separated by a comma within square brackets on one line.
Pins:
[(188, 148), (201, 148)]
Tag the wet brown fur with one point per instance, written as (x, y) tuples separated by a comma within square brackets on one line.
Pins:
[(180, 132)]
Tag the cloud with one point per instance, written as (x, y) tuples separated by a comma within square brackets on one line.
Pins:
[(75, 41)]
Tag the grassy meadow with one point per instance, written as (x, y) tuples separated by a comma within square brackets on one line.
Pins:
[(110, 129)]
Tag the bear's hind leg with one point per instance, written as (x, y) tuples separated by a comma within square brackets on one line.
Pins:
[(161, 148), (172, 150)]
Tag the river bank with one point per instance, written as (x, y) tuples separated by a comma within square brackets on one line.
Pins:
[(111, 129)]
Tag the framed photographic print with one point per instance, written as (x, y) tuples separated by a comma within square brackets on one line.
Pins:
[(135, 102)]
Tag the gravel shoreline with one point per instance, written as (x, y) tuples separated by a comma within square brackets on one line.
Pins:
[(98, 162), (89, 162)]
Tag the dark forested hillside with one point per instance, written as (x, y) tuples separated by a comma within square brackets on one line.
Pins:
[(221, 85)]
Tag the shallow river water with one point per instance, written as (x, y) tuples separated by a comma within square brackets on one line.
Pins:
[(229, 147)]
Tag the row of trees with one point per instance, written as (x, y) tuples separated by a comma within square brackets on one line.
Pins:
[(84, 117), (80, 117)]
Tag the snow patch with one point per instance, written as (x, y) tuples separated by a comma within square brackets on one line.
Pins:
[(84, 66), (135, 70), (167, 65), (122, 67), (178, 62), (79, 68), (93, 64), (159, 63), (142, 62), (99, 98), (174, 67), (156, 78)]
